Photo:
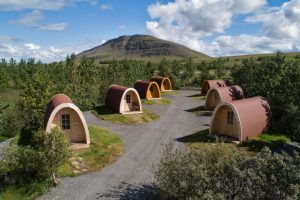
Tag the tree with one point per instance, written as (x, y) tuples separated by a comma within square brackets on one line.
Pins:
[(4, 79), (219, 172), (33, 102)]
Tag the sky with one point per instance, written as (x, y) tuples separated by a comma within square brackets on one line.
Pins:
[(49, 30)]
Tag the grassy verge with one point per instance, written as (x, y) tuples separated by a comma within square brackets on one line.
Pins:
[(200, 111), (162, 101), (270, 139), (107, 114), (104, 149), (172, 92)]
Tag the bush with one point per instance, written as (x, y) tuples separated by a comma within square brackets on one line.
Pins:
[(40, 160), (218, 172)]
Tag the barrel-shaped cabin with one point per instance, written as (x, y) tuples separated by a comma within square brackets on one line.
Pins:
[(123, 100), (62, 112), (164, 83), (241, 119), (208, 84), (147, 89), (220, 94)]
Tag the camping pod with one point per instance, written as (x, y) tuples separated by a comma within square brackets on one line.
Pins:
[(62, 112), (241, 119), (216, 95), (208, 84), (164, 83), (123, 100), (147, 89)]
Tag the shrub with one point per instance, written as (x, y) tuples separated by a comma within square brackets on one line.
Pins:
[(40, 160), (218, 172)]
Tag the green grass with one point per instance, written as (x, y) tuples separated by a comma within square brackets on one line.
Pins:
[(3, 138), (200, 111), (270, 139), (107, 114), (104, 149), (162, 101), (25, 192), (172, 92)]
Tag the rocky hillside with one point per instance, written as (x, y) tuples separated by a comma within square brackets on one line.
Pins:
[(141, 47)]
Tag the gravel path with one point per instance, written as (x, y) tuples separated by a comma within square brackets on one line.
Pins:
[(130, 177)]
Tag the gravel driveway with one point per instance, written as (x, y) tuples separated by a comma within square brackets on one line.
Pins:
[(130, 177)]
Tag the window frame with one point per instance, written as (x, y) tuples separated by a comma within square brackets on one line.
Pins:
[(230, 118), (128, 98), (65, 122)]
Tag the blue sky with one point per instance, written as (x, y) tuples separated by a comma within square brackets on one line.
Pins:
[(51, 29)]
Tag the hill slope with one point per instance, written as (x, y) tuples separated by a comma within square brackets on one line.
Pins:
[(140, 47)]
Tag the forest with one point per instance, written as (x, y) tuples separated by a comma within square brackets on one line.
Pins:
[(27, 85)]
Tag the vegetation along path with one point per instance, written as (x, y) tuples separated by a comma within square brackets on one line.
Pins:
[(131, 175)]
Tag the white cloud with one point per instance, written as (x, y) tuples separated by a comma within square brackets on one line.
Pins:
[(226, 45), (35, 19), (54, 27), (32, 46), (33, 4), (188, 22), (106, 7), (282, 22), (12, 48), (93, 2), (121, 27), (197, 17)]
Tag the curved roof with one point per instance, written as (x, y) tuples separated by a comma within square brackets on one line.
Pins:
[(143, 87), (254, 115), (114, 97), (159, 80), (230, 93), (55, 101), (214, 84)]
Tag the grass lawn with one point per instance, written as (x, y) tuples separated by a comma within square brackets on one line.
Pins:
[(107, 114), (162, 101), (270, 139), (200, 111), (104, 149)]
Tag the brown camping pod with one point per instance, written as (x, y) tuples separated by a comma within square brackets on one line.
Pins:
[(62, 112), (123, 100), (164, 83), (241, 119), (216, 95), (147, 89), (208, 84)]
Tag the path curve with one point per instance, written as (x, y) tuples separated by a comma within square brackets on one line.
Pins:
[(131, 175)]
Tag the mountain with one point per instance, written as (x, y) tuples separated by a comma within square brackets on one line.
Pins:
[(140, 47)]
